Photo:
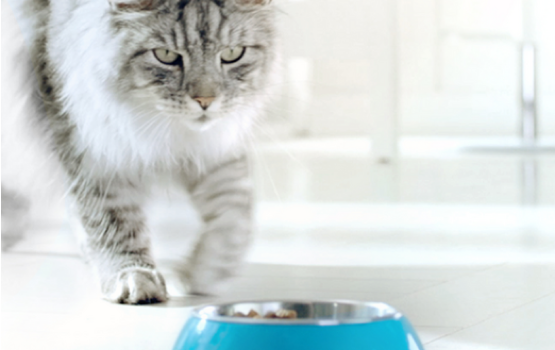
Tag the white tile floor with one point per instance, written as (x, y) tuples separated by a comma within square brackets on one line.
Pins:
[(444, 239)]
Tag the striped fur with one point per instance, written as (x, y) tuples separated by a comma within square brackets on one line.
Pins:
[(117, 120), (223, 198)]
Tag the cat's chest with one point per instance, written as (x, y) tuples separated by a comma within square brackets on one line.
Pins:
[(120, 144)]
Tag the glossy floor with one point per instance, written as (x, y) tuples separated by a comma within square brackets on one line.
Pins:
[(463, 244)]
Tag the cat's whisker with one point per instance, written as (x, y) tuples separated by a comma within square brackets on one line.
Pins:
[(261, 127), (144, 128), (262, 162), (282, 147)]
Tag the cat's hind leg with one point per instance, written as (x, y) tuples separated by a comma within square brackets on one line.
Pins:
[(15, 210)]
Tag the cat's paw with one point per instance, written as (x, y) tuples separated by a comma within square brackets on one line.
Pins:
[(137, 285)]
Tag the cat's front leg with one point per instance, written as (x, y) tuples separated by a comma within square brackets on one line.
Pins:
[(223, 197), (115, 240)]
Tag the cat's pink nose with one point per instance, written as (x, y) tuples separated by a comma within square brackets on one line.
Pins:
[(204, 102)]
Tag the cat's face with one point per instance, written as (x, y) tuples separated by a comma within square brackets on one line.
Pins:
[(195, 61)]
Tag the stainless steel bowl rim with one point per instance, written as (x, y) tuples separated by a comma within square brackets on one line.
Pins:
[(394, 315)]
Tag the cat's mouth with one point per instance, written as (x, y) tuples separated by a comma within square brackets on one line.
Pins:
[(202, 123), (203, 119)]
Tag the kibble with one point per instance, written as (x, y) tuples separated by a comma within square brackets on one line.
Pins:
[(279, 314)]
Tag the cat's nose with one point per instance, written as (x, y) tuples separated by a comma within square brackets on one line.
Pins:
[(204, 102)]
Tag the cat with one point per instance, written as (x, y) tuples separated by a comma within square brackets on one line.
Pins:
[(136, 90)]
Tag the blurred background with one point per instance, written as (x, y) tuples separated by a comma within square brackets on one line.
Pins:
[(424, 68), (409, 158), (437, 114)]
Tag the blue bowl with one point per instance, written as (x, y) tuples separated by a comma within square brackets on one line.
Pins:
[(321, 325)]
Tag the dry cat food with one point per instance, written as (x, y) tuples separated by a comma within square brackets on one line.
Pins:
[(281, 314)]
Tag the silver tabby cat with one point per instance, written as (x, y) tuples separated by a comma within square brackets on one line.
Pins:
[(135, 90)]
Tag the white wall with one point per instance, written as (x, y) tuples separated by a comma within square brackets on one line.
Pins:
[(458, 66), (338, 64), (545, 35)]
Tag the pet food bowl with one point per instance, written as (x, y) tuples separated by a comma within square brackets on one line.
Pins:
[(320, 325)]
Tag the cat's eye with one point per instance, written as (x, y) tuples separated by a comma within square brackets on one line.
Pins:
[(167, 56), (232, 54)]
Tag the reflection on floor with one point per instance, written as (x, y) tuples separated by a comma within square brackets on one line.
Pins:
[(463, 244)]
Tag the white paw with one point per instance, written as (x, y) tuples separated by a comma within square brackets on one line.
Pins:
[(137, 285)]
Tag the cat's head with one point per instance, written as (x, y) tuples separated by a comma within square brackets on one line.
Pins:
[(195, 61)]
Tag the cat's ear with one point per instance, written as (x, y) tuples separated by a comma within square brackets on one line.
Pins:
[(131, 5), (253, 2)]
